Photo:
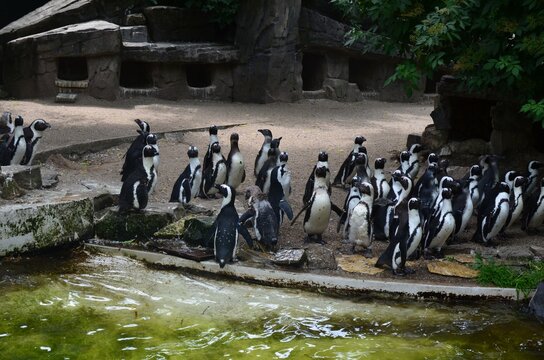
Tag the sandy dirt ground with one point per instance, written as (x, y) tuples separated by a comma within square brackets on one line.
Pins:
[(306, 128)]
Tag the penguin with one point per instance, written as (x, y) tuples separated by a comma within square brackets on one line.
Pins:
[(445, 182), (462, 207), (509, 178), (284, 174), (380, 184), (276, 196), (208, 158), (442, 168), (490, 175), (352, 199), (426, 190), (265, 223), (384, 210), (533, 215), (236, 172), (432, 158), (472, 182), (188, 183), (13, 148), (516, 201), (345, 168), (533, 173), (318, 208), (226, 227), (440, 226), (143, 125), (413, 167), (135, 189), (6, 123), (359, 228), (263, 178), (404, 159), (359, 167), (415, 227), (133, 156), (263, 152), (493, 214), (322, 161), (33, 135), (214, 174)]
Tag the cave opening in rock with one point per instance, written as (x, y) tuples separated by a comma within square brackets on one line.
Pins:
[(363, 73), (136, 75), (470, 118), (313, 71), (199, 75), (72, 69)]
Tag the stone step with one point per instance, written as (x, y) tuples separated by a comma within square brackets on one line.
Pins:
[(127, 93), (134, 33), (69, 98), (315, 94)]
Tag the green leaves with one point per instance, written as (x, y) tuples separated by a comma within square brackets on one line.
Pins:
[(535, 110), (409, 74)]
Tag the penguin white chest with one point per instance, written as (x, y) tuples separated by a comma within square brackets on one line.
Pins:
[(320, 212), (236, 172), (446, 229), (135, 202), (19, 151), (360, 232), (503, 210), (195, 185)]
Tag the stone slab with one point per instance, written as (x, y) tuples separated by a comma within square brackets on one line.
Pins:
[(289, 257), (134, 33), (449, 268), (200, 52), (66, 98), (26, 177), (60, 220)]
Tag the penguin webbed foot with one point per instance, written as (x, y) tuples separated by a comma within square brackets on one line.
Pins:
[(403, 271), (490, 243), (367, 253)]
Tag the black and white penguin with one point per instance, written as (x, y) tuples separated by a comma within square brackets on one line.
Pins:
[(135, 189), (404, 159), (432, 158), (277, 196), (143, 125), (471, 182), (33, 135), (359, 228), (13, 147), (345, 168), (6, 123), (426, 190), (208, 158), (443, 165), (379, 182), (490, 175), (318, 208), (265, 223), (263, 152), (383, 210), (509, 178), (352, 199), (214, 174), (534, 169), (516, 201), (133, 156), (226, 227), (440, 226), (445, 182), (413, 167), (462, 206), (533, 215), (493, 213), (322, 161), (187, 185), (236, 171), (415, 227), (359, 167), (284, 174), (263, 178)]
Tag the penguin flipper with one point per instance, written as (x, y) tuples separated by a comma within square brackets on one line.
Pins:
[(286, 208), (386, 256), (242, 230), (341, 221), (306, 206), (336, 209), (246, 216), (341, 171), (309, 189)]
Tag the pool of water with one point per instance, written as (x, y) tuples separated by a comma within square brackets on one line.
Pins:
[(83, 306)]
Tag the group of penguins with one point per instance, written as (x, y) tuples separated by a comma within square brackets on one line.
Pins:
[(418, 215), (19, 144)]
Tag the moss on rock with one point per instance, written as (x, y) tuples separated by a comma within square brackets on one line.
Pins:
[(193, 229)]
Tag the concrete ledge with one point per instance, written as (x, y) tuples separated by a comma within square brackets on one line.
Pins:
[(316, 282)]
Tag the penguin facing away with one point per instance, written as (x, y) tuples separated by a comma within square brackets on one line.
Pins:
[(188, 183), (14, 147), (263, 178), (265, 224), (236, 172), (345, 168), (359, 227), (493, 215), (440, 226), (534, 169), (413, 167), (208, 158), (533, 214), (33, 135), (214, 174), (263, 152)]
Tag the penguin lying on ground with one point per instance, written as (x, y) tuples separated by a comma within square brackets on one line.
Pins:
[(134, 192), (492, 214), (345, 168), (13, 146), (214, 174), (33, 135), (263, 152), (188, 183), (533, 215), (322, 161), (265, 223), (236, 172)]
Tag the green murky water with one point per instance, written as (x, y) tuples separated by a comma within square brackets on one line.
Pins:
[(99, 307)]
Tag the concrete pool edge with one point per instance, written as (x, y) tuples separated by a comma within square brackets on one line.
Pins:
[(330, 284)]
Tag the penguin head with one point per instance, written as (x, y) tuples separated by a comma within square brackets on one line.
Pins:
[(323, 156), (355, 181), (443, 165), (359, 140), (149, 151), (227, 192), (414, 204), (362, 150), (510, 176), (416, 148), (275, 144), (151, 139), (405, 156), (284, 157), (396, 175), (321, 172), (446, 193), (503, 187), (366, 188), (40, 125), (266, 133), (535, 165), (144, 126), (192, 152), (432, 159), (432, 168), (234, 138), (379, 163), (212, 130), (455, 187), (475, 170), (216, 148), (447, 182), (520, 181), (406, 182), (18, 121)]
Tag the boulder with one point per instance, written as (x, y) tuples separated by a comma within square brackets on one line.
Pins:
[(141, 225), (192, 229), (320, 257), (290, 257), (135, 19), (26, 177), (413, 139), (536, 305), (56, 221), (434, 139), (134, 33), (9, 189)]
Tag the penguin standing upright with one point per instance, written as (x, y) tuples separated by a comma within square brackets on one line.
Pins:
[(533, 215), (440, 226), (284, 174), (265, 223), (404, 159), (359, 167), (345, 168), (188, 183), (413, 167), (133, 156), (383, 211), (135, 189), (14, 148), (426, 190), (6, 123), (263, 178), (533, 172), (33, 135), (208, 158), (322, 161), (462, 207), (214, 174), (359, 227), (493, 213), (352, 199), (276, 196), (379, 182), (236, 171), (490, 175), (263, 152), (516, 201)]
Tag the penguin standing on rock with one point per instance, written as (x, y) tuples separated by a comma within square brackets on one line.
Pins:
[(13, 149), (533, 215), (493, 214), (133, 156), (322, 161), (345, 168), (33, 135), (187, 185), (236, 172), (265, 224), (263, 152), (214, 174), (135, 190)]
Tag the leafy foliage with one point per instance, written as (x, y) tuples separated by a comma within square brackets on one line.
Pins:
[(490, 45)]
